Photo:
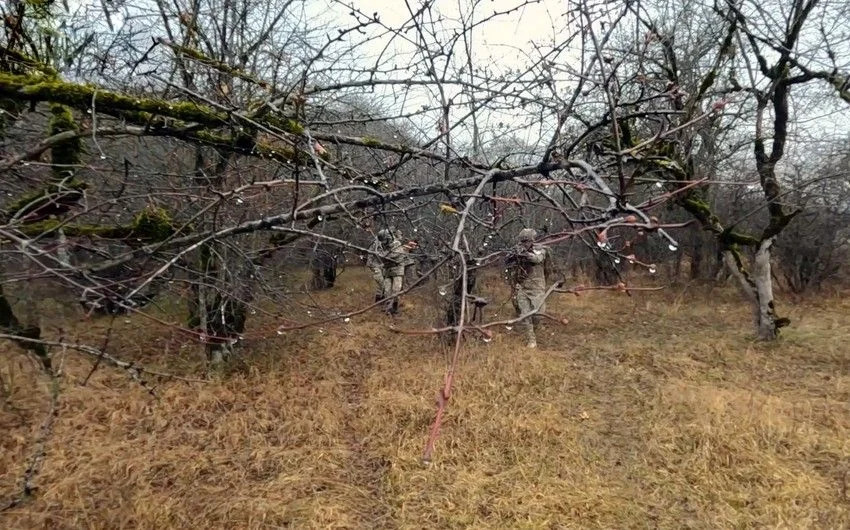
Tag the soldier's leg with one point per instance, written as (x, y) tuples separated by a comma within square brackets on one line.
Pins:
[(378, 276), (524, 305), (515, 302), (379, 286), (538, 299), (398, 283), (392, 286), (387, 290)]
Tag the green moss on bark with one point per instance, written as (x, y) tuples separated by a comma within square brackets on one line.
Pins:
[(54, 199), (285, 124), (161, 117), (48, 226), (692, 199), (67, 152), (213, 63), (16, 61), (241, 144), (141, 110), (38, 87), (151, 225)]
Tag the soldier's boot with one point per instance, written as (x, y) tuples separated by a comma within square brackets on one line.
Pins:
[(391, 307)]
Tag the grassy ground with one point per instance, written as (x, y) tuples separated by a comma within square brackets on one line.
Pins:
[(655, 411)]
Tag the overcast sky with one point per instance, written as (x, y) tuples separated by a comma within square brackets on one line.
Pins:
[(499, 44), (500, 39)]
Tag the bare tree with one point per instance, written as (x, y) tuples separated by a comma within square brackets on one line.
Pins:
[(688, 79), (221, 144)]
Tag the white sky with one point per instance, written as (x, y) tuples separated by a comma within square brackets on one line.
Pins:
[(499, 44), (499, 39)]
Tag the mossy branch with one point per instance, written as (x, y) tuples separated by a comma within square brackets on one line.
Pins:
[(241, 143), (64, 153), (8, 55), (180, 119), (48, 226), (212, 63), (35, 88), (153, 114), (692, 201), (55, 199), (143, 111), (709, 221), (778, 223), (151, 225)]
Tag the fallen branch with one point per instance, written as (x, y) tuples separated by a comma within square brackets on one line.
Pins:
[(621, 287), (135, 372)]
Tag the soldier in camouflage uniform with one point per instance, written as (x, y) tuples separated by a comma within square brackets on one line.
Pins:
[(376, 264), (394, 256), (528, 267), (409, 260)]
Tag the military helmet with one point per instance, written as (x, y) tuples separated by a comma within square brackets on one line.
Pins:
[(527, 234), (384, 235)]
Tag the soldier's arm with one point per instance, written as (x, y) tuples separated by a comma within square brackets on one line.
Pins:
[(395, 254), (535, 256)]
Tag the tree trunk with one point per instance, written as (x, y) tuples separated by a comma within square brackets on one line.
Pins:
[(696, 258), (757, 287), (605, 272), (220, 287), (222, 308), (11, 325), (227, 323), (62, 249), (763, 279), (325, 263), (676, 271)]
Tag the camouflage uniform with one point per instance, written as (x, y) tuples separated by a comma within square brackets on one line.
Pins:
[(394, 258), (409, 262), (375, 263), (528, 281)]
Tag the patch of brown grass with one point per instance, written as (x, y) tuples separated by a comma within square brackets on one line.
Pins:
[(642, 412)]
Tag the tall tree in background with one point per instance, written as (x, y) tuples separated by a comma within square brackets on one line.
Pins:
[(704, 90)]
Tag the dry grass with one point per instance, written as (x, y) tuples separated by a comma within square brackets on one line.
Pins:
[(642, 412)]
